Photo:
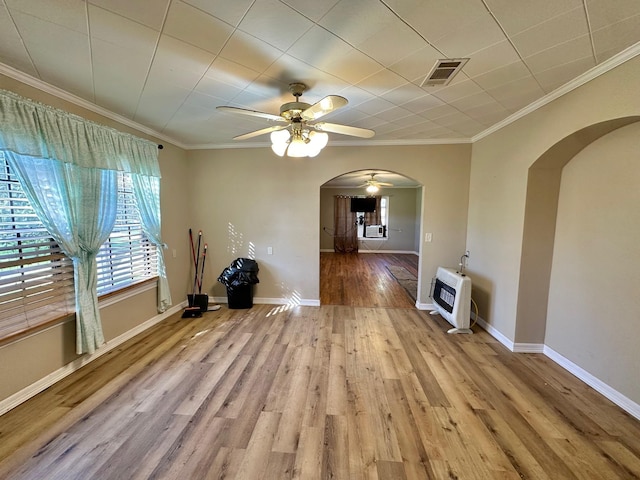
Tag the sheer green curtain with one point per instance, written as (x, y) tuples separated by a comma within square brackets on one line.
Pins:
[(68, 167), (78, 207), (147, 191)]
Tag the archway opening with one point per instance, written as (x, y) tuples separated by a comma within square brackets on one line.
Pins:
[(391, 245)]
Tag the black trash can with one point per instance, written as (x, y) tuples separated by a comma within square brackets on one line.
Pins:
[(239, 278)]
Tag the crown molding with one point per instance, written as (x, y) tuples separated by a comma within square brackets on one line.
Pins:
[(81, 102), (347, 143), (595, 72)]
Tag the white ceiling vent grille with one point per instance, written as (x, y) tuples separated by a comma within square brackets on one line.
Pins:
[(443, 71)]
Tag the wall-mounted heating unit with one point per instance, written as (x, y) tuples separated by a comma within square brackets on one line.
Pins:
[(452, 298)]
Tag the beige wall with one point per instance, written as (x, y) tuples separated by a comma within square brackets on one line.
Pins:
[(503, 235), (29, 359), (594, 305), (404, 219), (246, 200), (498, 188)]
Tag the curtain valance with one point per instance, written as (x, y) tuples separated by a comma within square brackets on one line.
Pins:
[(36, 130)]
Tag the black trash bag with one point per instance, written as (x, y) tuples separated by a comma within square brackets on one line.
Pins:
[(241, 272)]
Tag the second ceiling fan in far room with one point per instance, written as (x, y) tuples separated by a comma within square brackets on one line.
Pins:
[(298, 133)]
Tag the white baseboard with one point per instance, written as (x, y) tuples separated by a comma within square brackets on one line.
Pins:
[(305, 302), (628, 405), (45, 382)]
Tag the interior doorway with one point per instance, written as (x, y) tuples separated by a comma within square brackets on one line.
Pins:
[(386, 265)]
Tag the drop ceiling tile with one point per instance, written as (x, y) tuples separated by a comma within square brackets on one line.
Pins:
[(312, 9), (12, 49), (518, 94), (265, 14), (119, 75), (490, 58), (399, 95), (416, 66), (250, 51), (434, 19), (179, 63), (560, 29), (352, 67), (457, 91), (556, 77), (229, 11), (518, 16), (150, 12), (196, 28), (440, 111), (391, 42), (159, 102), (355, 95), (423, 103), (61, 56), (231, 73), (122, 33), (318, 47), (356, 20), (473, 101), (603, 13), (501, 75), (613, 39), (69, 14), (560, 54), (216, 88), (382, 81), (488, 114), (462, 40), (375, 105), (288, 69), (394, 113)]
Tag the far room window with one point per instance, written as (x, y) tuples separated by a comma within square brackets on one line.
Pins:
[(36, 277), (369, 228)]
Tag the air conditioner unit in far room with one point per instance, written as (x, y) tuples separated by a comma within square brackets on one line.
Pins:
[(374, 231)]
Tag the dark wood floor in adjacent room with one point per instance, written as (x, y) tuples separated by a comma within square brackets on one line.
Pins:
[(318, 393), (363, 280)]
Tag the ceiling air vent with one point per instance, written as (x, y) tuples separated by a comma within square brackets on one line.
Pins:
[(443, 71)]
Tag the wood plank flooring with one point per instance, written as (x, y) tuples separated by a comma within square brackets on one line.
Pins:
[(362, 280), (330, 392)]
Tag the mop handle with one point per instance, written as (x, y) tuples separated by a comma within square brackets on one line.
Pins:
[(204, 257), (195, 280), (193, 249)]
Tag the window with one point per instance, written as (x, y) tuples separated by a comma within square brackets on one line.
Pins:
[(36, 278), (127, 257), (384, 221)]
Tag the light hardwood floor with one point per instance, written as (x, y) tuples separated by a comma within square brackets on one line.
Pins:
[(330, 392)]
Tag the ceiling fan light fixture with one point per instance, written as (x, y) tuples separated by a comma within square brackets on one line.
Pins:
[(372, 188)]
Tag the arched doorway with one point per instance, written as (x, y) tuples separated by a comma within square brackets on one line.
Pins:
[(543, 188), (384, 272)]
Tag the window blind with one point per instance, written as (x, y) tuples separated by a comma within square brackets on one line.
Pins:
[(36, 278)]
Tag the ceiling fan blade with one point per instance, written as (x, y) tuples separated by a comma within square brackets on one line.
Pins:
[(253, 113), (260, 132), (344, 129), (327, 105), (384, 184)]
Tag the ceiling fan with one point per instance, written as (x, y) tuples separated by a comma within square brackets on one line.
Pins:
[(374, 185), (298, 132)]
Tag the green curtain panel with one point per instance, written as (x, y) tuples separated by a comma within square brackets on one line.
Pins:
[(68, 169)]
